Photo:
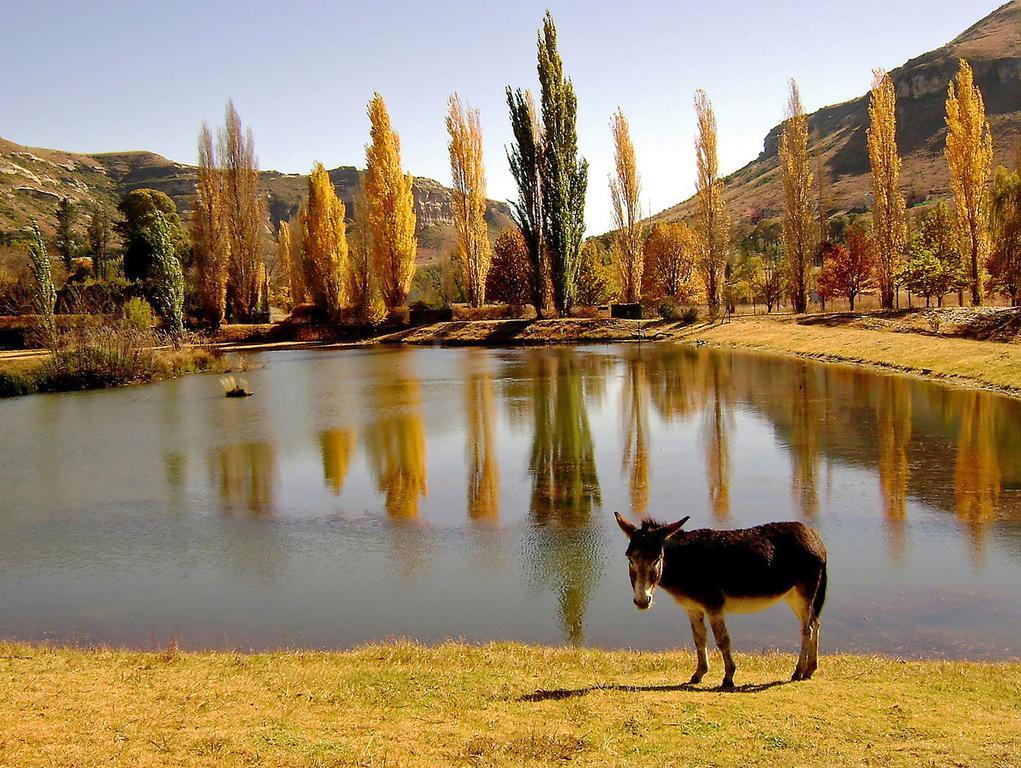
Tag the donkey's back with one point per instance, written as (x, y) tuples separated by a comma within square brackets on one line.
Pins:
[(739, 570)]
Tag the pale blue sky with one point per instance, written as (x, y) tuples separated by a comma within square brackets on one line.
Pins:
[(103, 76)]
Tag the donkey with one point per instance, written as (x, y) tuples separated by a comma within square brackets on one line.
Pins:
[(742, 571)]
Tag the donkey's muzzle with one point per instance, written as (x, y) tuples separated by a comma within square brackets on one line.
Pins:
[(643, 603)]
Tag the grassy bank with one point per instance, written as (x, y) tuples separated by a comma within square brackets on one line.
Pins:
[(498, 705), (98, 369), (987, 364)]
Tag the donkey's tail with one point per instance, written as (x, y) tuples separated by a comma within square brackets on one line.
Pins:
[(820, 593)]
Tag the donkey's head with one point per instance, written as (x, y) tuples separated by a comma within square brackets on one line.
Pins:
[(645, 554)]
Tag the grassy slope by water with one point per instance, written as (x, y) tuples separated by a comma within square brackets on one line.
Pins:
[(993, 365), (496, 705)]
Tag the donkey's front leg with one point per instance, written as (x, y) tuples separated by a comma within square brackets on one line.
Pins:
[(723, 643), (697, 619)]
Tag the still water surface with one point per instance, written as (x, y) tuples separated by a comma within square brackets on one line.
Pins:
[(452, 493)]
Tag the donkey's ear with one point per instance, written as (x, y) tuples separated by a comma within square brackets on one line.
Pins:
[(628, 527), (672, 529)]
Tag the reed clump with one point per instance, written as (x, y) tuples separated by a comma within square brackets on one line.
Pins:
[(106, 354)]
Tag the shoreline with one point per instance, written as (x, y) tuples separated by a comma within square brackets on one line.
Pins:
[(500, 704), (993, 366)]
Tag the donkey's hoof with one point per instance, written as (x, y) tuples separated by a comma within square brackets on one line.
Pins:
[(727, 685), (797, 676), (696, 678)]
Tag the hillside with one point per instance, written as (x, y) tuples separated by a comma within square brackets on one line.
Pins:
[(32, 180), (992, 47)]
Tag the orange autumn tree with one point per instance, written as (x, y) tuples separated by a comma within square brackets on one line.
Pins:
[(510, 280), (670, 251), (850, 269), (390, 207), (325, 243), (969, 154)]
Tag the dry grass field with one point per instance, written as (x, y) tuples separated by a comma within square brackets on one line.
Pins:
[(496, 705)]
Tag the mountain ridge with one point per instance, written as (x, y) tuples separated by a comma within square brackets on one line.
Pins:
[(992, 46), (34, 179)]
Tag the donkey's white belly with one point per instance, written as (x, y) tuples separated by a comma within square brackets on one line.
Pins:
[(754, 604), (748, 604)]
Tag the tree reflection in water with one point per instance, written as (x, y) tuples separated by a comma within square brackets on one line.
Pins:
[(337, 447), (395, 435), (634, 410), (893, 414), (804, 441), (246, 476), (562, 547), (977, 473), (717, 423), (483, 463)]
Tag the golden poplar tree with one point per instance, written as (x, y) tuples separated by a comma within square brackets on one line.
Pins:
[(469, 198), (713, 225), (290, 262), (969, 154), (889, 219), (798, 216), (244, 215), (391, 208), (209, 245), (325, 243), (625, 189), (362, 290)]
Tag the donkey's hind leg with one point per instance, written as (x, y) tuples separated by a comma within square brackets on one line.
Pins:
[(802, 608), (817, 603), (813, 652), (698, 632)]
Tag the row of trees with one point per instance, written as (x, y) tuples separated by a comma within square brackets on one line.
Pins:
[(950, 250), (361, 263)]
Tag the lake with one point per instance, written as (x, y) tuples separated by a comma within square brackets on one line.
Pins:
[(438, 493)]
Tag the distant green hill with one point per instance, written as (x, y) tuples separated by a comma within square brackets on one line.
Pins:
[(32, 180)]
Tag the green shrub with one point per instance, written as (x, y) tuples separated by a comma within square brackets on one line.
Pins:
[(669, 309), (138, 315)]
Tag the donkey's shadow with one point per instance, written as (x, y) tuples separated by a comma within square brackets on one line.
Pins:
[(570, 693)]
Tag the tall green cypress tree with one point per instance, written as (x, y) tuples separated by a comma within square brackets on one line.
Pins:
[(564, 174), (524, 158), (67, 241), (166, 275)]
